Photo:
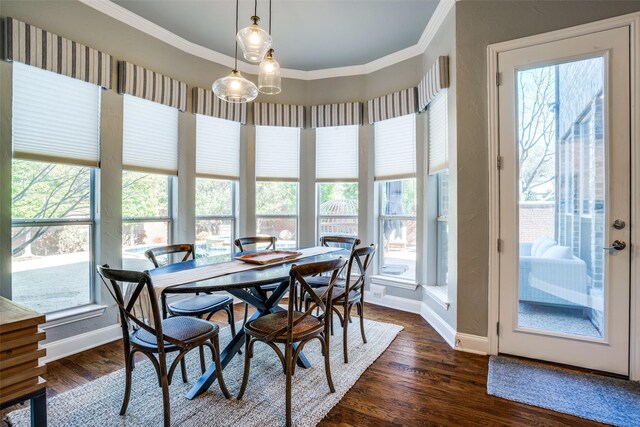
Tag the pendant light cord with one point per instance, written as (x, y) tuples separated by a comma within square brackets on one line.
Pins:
[(269, 17), (235, 66), (255, 8)]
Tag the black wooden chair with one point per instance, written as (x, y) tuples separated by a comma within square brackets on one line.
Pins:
[(199, 305), (350, 292), (156, 336), (294, 327), (269, 243)]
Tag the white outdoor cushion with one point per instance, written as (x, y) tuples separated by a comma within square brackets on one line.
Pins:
[(558, 252), (541, 245)]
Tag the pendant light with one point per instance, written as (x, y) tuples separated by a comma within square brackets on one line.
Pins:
[(269, 81), (253, 40), (235, 88)]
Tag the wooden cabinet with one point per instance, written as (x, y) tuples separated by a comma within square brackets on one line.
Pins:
[(20, 350)]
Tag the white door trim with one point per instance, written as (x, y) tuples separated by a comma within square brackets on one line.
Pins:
[(633, 22)]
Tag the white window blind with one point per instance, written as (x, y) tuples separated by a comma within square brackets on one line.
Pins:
[(150, 136), (217, 147), (55, 118), (337, 153), (395, 148), (277, 153), (438, 134)]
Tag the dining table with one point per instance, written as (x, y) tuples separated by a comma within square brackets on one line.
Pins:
[(207, 274)]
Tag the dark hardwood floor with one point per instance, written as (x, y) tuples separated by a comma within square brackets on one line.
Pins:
[(419, 380)]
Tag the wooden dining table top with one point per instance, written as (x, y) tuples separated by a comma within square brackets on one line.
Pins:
[(263, 275)]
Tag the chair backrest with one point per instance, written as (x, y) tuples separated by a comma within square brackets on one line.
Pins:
[(362, 258), (153, 253), (244, 241), (322, 302), (135, 313), (346, 242)]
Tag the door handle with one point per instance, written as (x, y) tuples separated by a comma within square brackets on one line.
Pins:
[(618, 245)]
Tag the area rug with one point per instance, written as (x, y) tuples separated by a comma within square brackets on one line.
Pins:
[(594, 397), (98, 402)]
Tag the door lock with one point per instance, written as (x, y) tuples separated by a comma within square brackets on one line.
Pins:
[(619, 224), (618, 245)]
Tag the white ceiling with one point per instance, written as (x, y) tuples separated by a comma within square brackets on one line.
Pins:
[(308, 34)]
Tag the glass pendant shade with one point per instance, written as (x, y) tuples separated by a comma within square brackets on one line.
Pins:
[(269, 80), (235, 88), (254, 41)]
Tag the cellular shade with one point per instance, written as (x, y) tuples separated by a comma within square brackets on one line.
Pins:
[(149, 136), (55, 118), (438, 134), (217, 148), (277, 153), (395, 148), (337, 153)]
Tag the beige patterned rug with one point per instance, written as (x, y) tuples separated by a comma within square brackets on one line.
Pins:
[(98, 403)]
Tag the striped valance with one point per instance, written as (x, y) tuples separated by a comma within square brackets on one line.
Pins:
[(393, 105), (143, 83), (278, 115), (36, 47), (207, 103), (436, 79), (330, 115)]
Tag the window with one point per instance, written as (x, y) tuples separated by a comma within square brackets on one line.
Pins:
[(146, 182), (277, 171), (56, 134), (217, 170), (438, 169), (395, 170), (336, 177)]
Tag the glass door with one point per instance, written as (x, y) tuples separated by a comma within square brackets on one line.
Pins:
[(564, 137)]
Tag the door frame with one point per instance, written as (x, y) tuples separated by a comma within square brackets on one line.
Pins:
[(633, 22)]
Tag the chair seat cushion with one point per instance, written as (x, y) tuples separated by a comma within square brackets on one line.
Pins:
[(323, 281), (274, 321), (200, 303), (181, 328), (338, 294)]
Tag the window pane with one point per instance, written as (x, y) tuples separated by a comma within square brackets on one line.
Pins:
[(333, 226), (47, 190), (338, 199), (145, 195), (442, 229), (214, 238), (399, 248), (214, 197), (276, 198), (137, 237), (51, 267), (398, 197), (285, 229)]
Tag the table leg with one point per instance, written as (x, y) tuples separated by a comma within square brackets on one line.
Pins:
[(39, 410)]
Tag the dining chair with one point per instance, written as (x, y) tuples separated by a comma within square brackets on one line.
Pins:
[(292, 327), (350, 292), (241, 244), (156, 336)]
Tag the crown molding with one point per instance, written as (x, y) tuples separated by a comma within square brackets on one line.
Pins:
[(127, 17)]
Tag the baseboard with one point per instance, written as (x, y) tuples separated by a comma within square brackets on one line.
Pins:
[(472, 344), (443, 328), (77, 343), (397, 303)]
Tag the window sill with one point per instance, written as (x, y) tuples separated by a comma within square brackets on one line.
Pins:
[(72, 315), (394, 282), (439, 294)]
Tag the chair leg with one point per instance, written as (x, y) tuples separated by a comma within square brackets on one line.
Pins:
[(246, 314), (127, 386), (247, 366), (183, 370), (223, 386), (289, 361), (231, 319), (327, 363), (165, 389), (203, 368), (361, 313), (345, 336)]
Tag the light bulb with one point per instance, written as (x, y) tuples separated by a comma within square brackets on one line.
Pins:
[(268, 67), (235, 84), (254, 39)]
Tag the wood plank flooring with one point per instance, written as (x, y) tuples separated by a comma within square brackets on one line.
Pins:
[(418, 381)]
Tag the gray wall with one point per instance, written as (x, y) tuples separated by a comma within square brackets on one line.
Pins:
[(479, 24)]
